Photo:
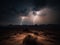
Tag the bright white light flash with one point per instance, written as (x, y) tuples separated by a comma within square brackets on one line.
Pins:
[(31, 17), (22, 19), (36, 18), (37, 12)]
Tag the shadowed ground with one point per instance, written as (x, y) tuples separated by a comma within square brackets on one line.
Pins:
[(29, 36)]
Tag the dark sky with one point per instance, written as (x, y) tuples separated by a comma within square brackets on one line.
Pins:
[(10, 10)]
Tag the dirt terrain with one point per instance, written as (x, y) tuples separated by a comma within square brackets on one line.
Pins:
[(29, 36)]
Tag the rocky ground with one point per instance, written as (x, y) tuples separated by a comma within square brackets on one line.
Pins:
[(29, 37)]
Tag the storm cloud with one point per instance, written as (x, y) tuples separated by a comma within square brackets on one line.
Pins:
[(11, 10)]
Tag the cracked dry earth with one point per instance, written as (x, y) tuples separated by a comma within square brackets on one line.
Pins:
[(41, 37)]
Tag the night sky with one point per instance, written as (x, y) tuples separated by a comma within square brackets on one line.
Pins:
[(11, 10)]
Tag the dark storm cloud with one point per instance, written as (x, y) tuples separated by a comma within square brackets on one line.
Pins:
[(10, 9)]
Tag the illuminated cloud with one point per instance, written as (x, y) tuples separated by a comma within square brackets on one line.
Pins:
[(43, 16)]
